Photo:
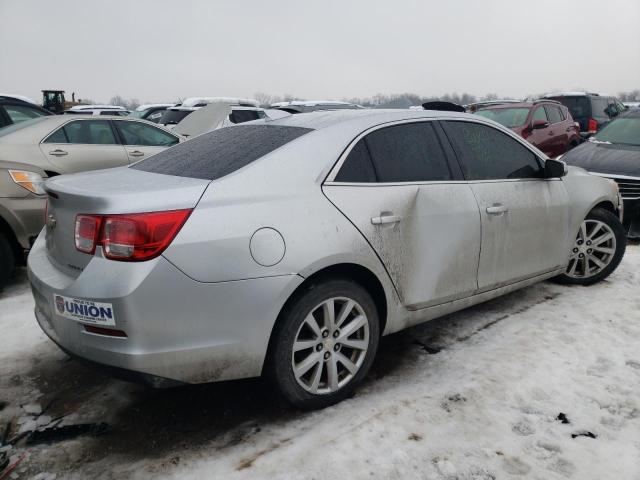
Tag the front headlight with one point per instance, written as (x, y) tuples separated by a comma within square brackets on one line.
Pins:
[(29, 180)]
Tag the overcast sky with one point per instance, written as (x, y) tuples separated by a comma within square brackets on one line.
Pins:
[(161, 50)]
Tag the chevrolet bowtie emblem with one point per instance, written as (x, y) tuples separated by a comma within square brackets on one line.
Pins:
[(51, 222)]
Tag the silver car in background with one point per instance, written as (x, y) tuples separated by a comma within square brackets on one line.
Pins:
[(289, 247)]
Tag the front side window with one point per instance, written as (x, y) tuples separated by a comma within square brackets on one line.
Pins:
[(88, 132), (540, 115), (137, 133), (554, 114), (509, 117), (21, 113), (485, 153)]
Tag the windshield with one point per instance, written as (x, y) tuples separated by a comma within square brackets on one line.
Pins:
[(509, 117), (137, 114), (171, 117), (625, 131), (19, 126)]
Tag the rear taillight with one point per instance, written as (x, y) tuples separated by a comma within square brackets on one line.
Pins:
[(135, 237), (86, 232), (592, 126)]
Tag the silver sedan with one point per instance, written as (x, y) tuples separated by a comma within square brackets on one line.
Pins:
[(288, 247)]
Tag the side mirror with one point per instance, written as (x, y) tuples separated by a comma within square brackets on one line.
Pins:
[(538, 124), (554, 168)]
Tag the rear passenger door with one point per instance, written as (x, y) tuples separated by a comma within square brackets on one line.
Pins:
[(398, 186), (83, 144), (525, 217), (141, 140)]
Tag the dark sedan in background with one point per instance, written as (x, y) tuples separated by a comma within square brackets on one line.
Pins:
[(614, 152)]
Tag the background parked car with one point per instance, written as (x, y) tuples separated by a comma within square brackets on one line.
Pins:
[(15, 108), (614, 152), (544, 123), (47, 146), (304, 106), (98, 110), (591, 110), (151, 112), (174, 115)]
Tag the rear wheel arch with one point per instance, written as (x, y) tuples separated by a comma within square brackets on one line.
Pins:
[(346, 271)]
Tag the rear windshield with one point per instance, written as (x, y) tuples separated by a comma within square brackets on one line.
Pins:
[(171, 117), (579, 107), (221, 152), (509, 117), (19, 126)]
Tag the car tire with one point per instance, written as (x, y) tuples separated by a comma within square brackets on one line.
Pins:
[(609, 253), (304, 338), (7, 260)]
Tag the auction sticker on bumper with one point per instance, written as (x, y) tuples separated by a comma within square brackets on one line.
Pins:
[(86, 311)]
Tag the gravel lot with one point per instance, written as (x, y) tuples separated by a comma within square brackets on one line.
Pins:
[(475, 395)]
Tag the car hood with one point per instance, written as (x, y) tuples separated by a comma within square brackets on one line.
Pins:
[(606, 158)]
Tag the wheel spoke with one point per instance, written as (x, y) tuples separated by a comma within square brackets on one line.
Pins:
[(603, 238), (597, 261), (304, 366), (344, 312), (332, 373), (329, 313), (572, 270), (313, 324), (352, 367), (583, 231), (357, 344), (304, 345), (353, 326), (315, 382), (585, 266), (608, 251), (595, 230)]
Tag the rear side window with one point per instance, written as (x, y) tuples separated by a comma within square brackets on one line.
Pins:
[(486, 153), (87, 132), (221, 152), (137, 133), (401, 153), (554, 114), (357, 167), (579, 107)]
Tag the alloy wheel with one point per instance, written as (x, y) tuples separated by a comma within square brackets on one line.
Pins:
[(593, 249), (330, 345)]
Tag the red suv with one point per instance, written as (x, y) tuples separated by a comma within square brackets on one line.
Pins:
[(547, 124)]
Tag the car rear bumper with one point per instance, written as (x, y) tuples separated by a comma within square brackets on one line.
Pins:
[(177, 330)]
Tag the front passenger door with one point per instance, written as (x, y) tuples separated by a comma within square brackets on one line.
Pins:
[(141, 140), (525, 217)]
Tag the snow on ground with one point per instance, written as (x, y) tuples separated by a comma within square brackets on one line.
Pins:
[(475, 395)]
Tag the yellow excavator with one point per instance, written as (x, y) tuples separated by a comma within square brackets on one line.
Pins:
[(54, 101)]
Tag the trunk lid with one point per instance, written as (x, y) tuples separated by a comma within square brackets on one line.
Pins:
[(112, 191)]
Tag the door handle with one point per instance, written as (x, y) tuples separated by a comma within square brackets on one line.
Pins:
[(58, 153), (136, 153), (497, 210), (385, 218), (550, 133)]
